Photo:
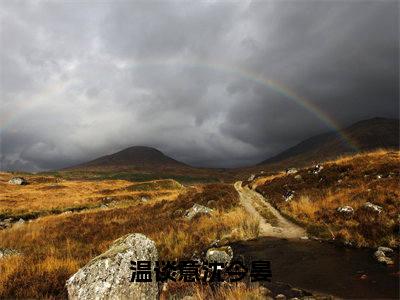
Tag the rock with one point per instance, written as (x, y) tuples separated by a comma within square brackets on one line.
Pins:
[(288, 195), (304, 238), (18, 181), (197, 209), (251, 177), (20, 221), (6, 223), (220, 255), (280, 297), (379, 176), (346, 210), (144, 199), (4, 252), (108, 275), (103, 206), (372, 207), (264, 291), (382, 258), (317, 168), (298, 177), (291, 171), (385, 250)]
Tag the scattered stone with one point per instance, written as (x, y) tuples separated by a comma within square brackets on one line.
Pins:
[(196, 210), (363, 277), (4, 252), (251, 178), (280, 297), (288, 195), (144, 199), (68, 212), (298, 177), (375, 208), (18, 181), (317, 168), (103, 206), (20, 221), (346, 210), (339, 181), (220, 255), (6, 223), (385, 249), (108, 275), (379, 176), (381, 257), (291, 171), (304, 238)]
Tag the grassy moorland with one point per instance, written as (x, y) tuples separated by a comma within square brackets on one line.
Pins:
[(54, 247), (347, 181), (49, 195)]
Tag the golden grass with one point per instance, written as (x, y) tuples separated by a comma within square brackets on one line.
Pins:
[(54, 247), (44, 194), (349, 180)]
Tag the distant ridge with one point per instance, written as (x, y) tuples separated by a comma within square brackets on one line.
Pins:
[(367, 135)]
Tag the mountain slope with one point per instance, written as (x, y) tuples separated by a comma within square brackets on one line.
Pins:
[(367, 135), (133, 158)]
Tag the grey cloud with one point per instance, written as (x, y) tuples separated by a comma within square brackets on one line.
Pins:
[(83, 79)]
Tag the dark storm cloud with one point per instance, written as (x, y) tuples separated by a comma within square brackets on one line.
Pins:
[(83, 79)]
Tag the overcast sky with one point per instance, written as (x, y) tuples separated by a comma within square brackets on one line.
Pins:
[(81, 79)]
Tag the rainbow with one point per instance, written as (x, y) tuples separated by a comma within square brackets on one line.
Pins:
[(277, 87)]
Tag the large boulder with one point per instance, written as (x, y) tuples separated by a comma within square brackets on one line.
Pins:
[(196, 210), (18, 181), (108, 276)]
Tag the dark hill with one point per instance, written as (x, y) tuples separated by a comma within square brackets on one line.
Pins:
[(366, 135), (133, 158)]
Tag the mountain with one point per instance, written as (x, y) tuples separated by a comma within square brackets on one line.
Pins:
[(137, 158), (366, 135)]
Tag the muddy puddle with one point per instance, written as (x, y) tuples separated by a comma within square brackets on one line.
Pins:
[(324, 267)]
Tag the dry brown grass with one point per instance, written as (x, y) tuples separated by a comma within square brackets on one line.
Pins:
[(47, 194), (54, 247), (351, 180), (228, 291)]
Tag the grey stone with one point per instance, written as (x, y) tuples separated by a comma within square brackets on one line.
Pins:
[(298, 177), (381, 257), (385, 249), (108, 276), (197, 209), (4, 252), (346, 210), (220, 255), (373, 207), (291, 171), (18, 181), (280, 297), (288, 195)]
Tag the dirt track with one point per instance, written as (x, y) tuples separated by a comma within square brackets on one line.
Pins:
[(285, 228)]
